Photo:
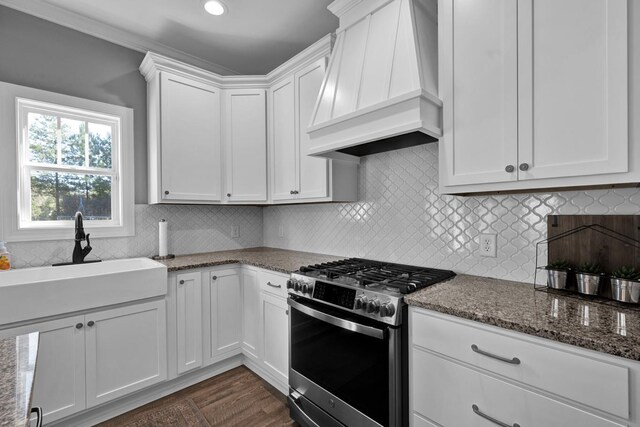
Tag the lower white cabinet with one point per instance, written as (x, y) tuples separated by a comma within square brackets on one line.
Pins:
[(275, 336), (125, 350), (251, 323), (224, 298), (89, 359), (188, 321), (464, 373)]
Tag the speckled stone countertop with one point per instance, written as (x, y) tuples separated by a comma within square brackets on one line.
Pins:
[(611, 329), (281, 260), (17, 369)]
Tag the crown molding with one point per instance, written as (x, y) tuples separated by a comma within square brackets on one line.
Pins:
[(94, 28), (154, 62)]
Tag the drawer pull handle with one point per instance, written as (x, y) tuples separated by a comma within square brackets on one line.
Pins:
[(477, 411), (513, 361), (273, 286)]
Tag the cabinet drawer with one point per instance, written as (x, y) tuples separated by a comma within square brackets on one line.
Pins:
[(564, 373), (273, 283), (447, 393)]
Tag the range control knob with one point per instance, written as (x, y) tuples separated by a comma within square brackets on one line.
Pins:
[(305, 288), (361, 302), (289, 284), (387, 309), (296, 286), (373, 306)]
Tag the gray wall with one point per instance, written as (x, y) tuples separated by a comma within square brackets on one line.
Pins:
[(44, 55)]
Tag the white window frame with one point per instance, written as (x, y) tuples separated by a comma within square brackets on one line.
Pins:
[(16, 212)]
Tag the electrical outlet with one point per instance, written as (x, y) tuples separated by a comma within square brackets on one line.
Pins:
[(235, 231), (487, 245), (281, 231)]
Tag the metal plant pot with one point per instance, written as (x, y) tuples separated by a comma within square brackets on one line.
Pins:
[(625, 290), (588, 283), (557, 279)]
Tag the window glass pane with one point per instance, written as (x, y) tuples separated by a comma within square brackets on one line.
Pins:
[(42, 138), (58, 196), (99, 145), (73, 133)]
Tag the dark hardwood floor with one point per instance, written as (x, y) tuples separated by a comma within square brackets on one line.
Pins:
[(236, 398)]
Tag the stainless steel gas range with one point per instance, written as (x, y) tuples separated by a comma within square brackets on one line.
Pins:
[(348, 341)]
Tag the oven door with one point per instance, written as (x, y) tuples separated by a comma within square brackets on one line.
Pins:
[(346, 365)]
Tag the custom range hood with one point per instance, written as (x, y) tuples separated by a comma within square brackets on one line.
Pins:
[(380, 90)]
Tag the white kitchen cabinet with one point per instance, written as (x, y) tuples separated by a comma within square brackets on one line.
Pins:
[(533, 98), (284, 167), (275, 338), (225, 304), (59, 386), (515, 378), (295, 176), (251, 319), (184, 140), (245, 144), (125, 350), (188, 321)]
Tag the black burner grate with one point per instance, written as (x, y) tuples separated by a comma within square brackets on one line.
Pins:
[(395, 277)]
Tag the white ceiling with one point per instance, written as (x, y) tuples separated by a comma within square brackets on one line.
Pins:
[(253, 37)]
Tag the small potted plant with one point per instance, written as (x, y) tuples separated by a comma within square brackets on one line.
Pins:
[(557, 274), (588, 276), (625, 284)]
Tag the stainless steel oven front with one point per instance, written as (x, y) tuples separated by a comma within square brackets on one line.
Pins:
[(345, 369)]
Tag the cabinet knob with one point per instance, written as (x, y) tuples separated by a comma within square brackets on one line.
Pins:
[(296, 192), (91, 323), (182, 282), (292, 192), (214, 277), (166, 192), (228, 194), (509, 168), (79, 325), (524, 167)]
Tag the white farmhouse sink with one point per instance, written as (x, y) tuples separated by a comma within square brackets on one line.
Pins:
[(32, 293)]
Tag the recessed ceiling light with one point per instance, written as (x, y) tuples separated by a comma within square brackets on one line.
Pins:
[(214, 7)]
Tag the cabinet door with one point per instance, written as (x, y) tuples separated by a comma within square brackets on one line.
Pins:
[(479, 89), (283, 140), (189, 321), (125, 350), (59, 386), (245, 144), (251, 325), (226, 312), (573, 87), (190, 117), (275, 320), (313, 172)]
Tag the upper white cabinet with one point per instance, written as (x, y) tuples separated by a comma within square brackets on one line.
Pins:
[(239, 139), (533, 97), (296, 176), (185, 142), (245, 144)]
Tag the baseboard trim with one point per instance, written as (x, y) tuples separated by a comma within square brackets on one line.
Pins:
[(127, 403)]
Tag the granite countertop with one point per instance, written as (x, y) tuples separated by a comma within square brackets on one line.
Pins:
[(611, 329), (281, 260), (17, 370)]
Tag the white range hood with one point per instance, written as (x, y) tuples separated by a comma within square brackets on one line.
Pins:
[(380, 89)]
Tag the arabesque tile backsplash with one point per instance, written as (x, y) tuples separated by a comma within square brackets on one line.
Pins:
[(191, 229), (400, 216)]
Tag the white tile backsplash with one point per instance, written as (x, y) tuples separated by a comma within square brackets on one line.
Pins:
[(191, 229), (402, 217)]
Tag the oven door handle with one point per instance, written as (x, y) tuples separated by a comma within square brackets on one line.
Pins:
[(336, 321)]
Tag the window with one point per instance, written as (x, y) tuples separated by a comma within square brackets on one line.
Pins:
[(72, 155), (68, 162)]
